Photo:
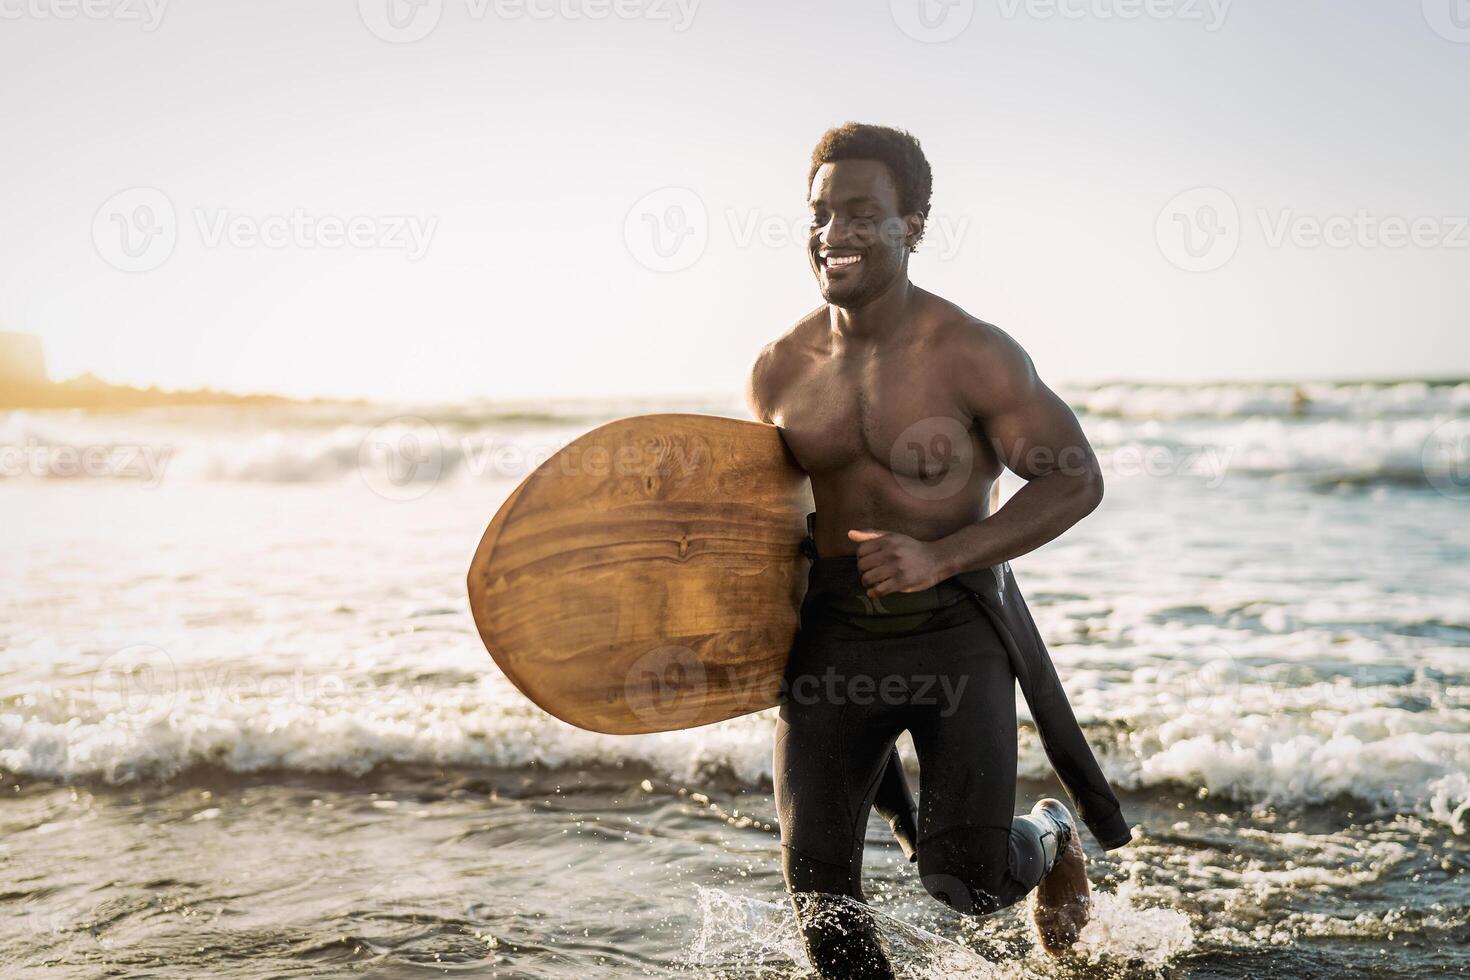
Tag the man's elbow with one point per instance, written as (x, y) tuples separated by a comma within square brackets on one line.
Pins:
[(1089, 488)]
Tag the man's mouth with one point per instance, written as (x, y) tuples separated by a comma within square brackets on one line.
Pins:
[(840, 261)]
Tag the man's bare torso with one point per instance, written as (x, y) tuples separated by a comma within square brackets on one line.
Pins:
[(886, 429)]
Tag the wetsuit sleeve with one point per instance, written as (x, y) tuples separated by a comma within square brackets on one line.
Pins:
[(1061, 736)]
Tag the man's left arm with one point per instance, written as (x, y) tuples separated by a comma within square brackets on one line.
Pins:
[(1037, 437)]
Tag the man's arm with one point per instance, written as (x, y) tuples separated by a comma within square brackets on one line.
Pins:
[(758, 395), (1036, 436)]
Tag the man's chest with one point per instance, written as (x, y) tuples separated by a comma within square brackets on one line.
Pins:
[(902, 414)]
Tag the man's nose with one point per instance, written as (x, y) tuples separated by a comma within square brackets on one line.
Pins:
[(835, 233)]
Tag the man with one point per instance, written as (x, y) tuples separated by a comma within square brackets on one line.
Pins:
[(903, 408)]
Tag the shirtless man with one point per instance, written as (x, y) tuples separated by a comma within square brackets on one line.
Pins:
[(903, 409)]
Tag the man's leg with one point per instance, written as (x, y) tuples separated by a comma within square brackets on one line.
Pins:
[(975, 855), (829, 761), (894, 802)]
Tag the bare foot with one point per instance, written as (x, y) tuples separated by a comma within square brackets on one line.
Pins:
[(1064, 897)]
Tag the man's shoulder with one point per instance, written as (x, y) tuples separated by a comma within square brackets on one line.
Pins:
[(986, 362), (784, 358), (960, 334), (799, 344)]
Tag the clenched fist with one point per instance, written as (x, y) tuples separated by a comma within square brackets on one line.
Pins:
[(892, 562)]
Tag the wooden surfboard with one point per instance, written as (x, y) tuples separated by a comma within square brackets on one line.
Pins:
[(648, 577)]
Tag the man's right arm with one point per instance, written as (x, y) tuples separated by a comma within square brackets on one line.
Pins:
[(758, 394)]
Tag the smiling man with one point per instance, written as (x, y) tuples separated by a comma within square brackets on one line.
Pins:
[(903, 409)]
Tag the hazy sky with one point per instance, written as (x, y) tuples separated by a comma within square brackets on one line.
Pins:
[(523, 198)]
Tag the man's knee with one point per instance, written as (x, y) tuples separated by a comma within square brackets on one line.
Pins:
[(968, 869), (804, 873)]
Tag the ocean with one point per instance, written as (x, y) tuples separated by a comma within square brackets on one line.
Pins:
[(247, 728)]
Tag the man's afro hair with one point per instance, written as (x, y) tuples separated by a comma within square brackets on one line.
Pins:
[(895, 148)]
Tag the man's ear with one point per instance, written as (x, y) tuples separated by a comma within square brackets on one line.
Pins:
[(913, 230)]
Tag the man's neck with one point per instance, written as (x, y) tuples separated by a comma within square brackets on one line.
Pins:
[(877, 320)]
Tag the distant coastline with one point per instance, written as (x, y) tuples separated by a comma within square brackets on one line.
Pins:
[(90, 392)]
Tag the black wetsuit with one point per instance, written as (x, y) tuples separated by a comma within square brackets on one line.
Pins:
[(941, 664)]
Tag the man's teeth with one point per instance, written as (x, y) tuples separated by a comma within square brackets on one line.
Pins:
[(843, 259)]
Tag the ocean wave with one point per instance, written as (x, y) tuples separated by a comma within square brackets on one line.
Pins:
[(1405, 761), (1304, 400), (403, 454)]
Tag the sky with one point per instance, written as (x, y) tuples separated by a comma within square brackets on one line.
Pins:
[(448, 199)]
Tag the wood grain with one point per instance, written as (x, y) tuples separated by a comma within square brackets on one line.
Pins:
[(647, 577)]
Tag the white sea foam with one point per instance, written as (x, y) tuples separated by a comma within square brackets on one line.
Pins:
[(737, 931), (1410, 761), (1357, 433), (1274, 400)]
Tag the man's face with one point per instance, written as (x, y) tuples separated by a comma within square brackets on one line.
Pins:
[(859, 241)]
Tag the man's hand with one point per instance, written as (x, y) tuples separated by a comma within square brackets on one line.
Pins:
[(892, 562)]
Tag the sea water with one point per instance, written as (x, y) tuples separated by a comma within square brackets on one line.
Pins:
[(247, 728)]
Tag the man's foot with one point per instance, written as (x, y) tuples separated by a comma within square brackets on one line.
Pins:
[(1064, 897)]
